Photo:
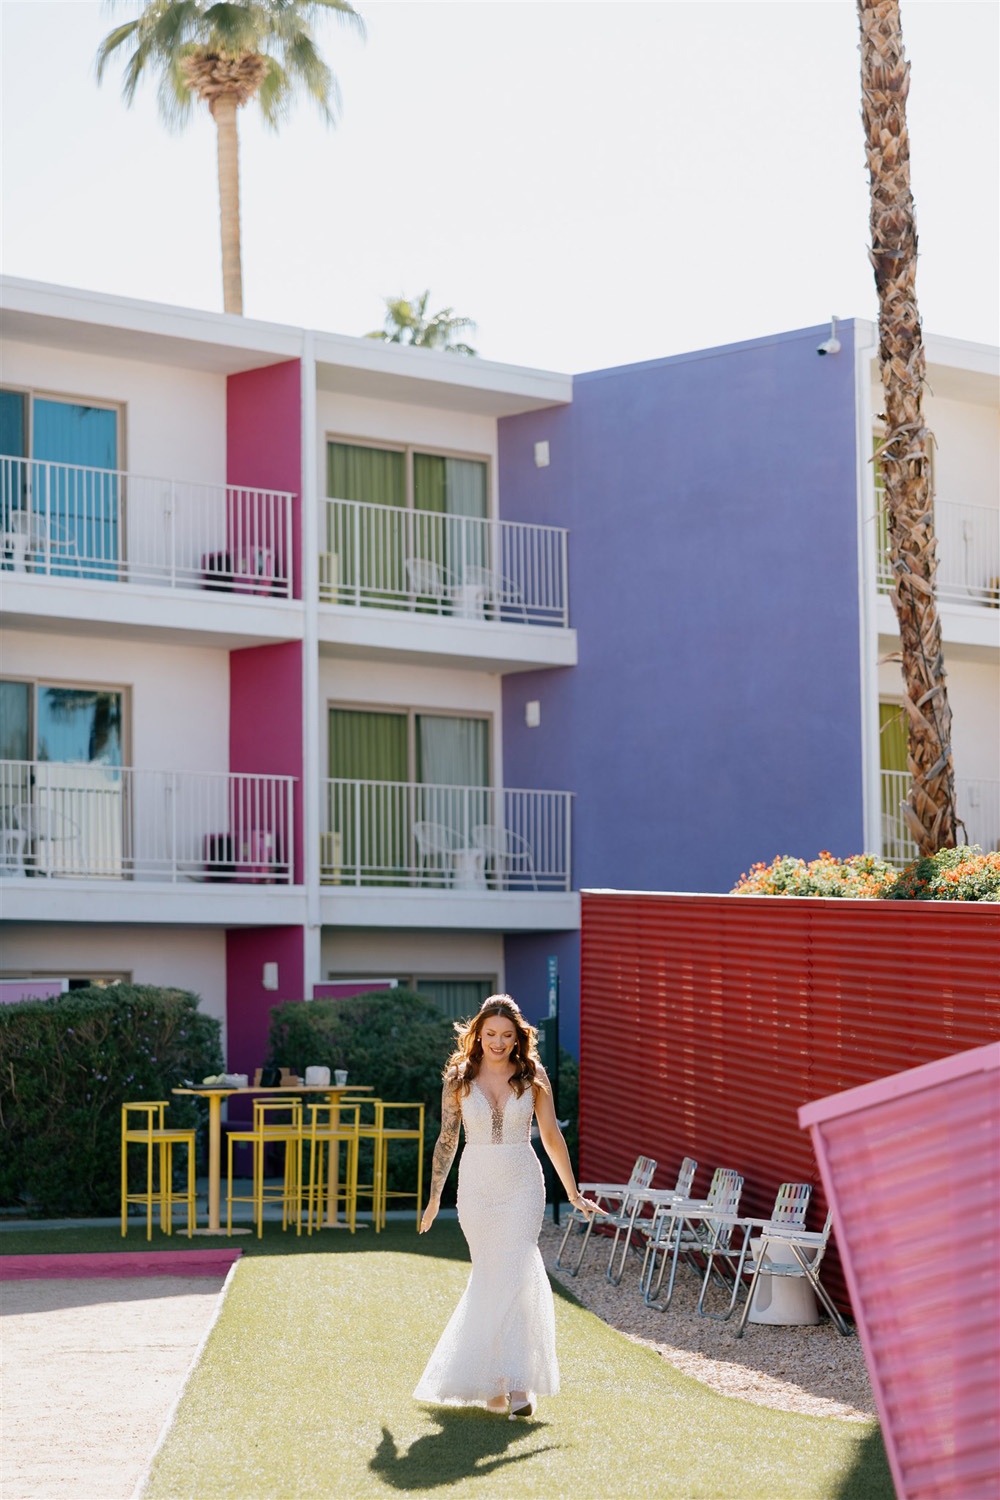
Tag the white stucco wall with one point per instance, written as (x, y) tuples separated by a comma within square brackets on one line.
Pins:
[(174, 419), (177, 717), (966, 451), (359, 952), (189, 958)]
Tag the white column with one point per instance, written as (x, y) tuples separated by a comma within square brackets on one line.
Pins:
[(310, 666), (865, 350)]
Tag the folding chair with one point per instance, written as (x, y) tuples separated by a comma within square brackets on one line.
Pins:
[(684, 1227), (807, 1251), (789, 1210), (656, 1198), (618, 1196)]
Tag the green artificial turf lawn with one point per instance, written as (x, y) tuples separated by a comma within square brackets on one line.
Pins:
[(304, 1390)]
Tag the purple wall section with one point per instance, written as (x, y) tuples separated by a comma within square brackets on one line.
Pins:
[(714, 718), (263, 439), (526, 974), (248, 1004)]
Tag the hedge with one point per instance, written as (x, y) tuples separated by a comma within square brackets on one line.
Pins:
[(66, 1067), (962, 874)]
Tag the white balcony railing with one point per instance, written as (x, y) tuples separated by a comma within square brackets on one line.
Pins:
[(385, 556), (977, 802), (473, 838), (68, 521), (100, 822), (968, 538)]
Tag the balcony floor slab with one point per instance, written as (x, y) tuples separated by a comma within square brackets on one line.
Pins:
[(484, 911), (973, 627), (443, 640), (187, 903)]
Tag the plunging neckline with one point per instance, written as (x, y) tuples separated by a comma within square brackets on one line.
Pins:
[(496, 1109)]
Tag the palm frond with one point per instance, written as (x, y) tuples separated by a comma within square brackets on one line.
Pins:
[(275, 93)]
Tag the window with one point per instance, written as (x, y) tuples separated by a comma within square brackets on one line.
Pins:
[(59, 495), (457, 998)]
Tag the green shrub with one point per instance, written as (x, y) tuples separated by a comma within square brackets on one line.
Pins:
[(66, 1067), (396, 1040), (962, 874)]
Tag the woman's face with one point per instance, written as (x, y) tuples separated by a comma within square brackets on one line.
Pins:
[(498, 1037)]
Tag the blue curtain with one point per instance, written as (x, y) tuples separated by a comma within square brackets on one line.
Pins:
[(82, 508), (12, 441)]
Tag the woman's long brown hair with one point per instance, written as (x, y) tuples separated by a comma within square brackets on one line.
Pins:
[(464, 1063)]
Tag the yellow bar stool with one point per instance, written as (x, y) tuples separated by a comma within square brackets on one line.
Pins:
[(326, 1127), (392, 1134), (275, 1122), (144, 1124), (371, 1130)]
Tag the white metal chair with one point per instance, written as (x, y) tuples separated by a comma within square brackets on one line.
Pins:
[(649, 1197), (429, 580), (12, 846), (806, 1251), (435, 842), (618, 1198), (728, 1260), (509, 855), (500, 595), (685, 1227), (45, 828)]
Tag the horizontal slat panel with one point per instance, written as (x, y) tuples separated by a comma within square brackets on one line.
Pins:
[(706, 1021)]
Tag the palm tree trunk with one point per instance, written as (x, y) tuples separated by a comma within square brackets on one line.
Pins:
[(905, 456), (223, 109)]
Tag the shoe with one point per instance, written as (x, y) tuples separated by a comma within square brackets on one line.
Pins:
[(525, 1409)]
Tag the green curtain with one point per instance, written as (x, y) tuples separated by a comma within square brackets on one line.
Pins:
[(457, 998), (451, 488), (375, 476), (367, 746), (369, 826), (893, 734), (365, 562)]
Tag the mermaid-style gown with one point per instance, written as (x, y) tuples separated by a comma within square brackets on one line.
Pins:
[(501, 1336)]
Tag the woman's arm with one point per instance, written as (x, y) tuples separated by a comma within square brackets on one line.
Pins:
[(444, 1152), (555, 1146)]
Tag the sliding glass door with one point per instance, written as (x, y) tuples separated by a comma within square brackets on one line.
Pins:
[(365, 547)]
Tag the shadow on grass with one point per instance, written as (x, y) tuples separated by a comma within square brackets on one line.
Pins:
[(470, 1442), (870, 1477), (445, 1242)]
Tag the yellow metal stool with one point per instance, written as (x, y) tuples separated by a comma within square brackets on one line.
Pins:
[(326, 1127), (275, 1122), (159, 1142), (370, 1130), (390, 1135)]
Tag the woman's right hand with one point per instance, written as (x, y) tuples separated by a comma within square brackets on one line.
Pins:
[(430, 1214)]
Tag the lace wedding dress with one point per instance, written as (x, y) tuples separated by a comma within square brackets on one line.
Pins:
[(501, 1336)]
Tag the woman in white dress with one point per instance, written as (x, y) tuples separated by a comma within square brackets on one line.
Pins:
[(499, 1345)]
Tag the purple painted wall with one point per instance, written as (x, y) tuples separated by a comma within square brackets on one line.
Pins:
[(526, 957), (248, 1004), (714, 718), (263, 439)]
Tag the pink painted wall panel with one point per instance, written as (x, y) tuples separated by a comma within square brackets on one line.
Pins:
[(248, 1004), (727, 1013), (264, 439), (911, 1168), (265, 720)]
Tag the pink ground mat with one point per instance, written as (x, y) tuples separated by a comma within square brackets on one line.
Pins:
[(118, 1263)]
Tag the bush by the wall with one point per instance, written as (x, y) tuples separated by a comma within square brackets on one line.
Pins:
[(962, 874), (66, 1067)]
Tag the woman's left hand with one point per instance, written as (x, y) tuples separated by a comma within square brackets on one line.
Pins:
[(587, 1206)]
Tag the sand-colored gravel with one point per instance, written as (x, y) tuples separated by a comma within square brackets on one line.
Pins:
[(90, 1370)]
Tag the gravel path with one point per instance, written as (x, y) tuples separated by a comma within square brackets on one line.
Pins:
[(90, 1371), (815, 1371)]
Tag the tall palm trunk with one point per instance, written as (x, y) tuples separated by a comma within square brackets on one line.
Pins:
[(905, 457), (223, 108)]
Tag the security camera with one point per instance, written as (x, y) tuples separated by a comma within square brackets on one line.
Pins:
[(832, 344)]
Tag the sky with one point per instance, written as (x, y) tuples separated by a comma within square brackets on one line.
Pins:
[(593, 183)]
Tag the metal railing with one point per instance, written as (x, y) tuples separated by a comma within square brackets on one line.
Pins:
[(69, 521), (968, 538), (389, 557), (450, 838), (977, 803), (101, 822)]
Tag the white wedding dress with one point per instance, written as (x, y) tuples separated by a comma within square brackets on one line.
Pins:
[(501, 1336)]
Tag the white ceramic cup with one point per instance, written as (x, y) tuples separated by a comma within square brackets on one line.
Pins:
[(317, 1076), (340, 1077)]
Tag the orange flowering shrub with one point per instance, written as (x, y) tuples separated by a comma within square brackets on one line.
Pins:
[(963, 874)]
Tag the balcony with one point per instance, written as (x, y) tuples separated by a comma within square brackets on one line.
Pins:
[(968, 553), (77, 822), (408, 853), (978, 804), (104, 525)]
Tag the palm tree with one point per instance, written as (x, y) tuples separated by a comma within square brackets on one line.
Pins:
[(406, 322), (226, 54), (904, 455)]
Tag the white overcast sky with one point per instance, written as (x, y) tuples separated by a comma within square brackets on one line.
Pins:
[(594, 183)]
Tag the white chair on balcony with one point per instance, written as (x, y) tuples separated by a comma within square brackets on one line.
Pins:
[(500, 596), (509, 858), (51, 839), (436, 847), (429, 580), (12, 846)]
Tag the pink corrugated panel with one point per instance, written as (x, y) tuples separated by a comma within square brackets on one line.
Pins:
[(911, 1167)]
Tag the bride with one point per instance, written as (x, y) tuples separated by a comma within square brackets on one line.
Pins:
[(499, 1345)]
